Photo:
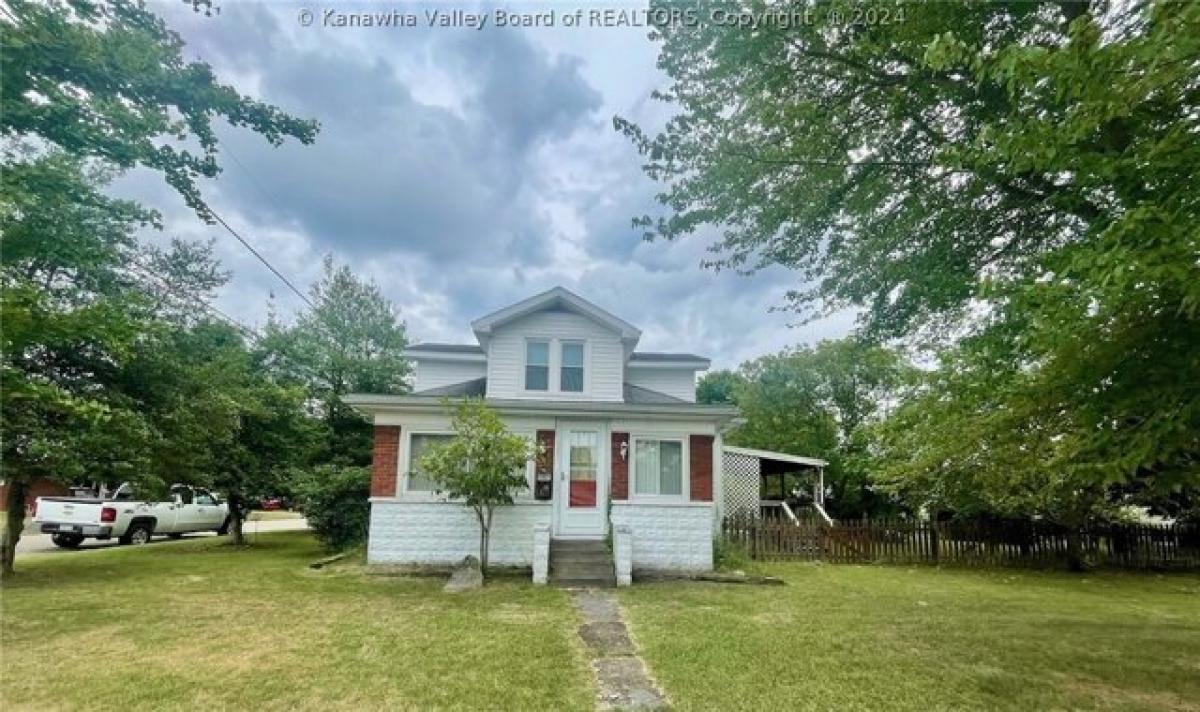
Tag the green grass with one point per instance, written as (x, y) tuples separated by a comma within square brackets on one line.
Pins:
[(203, 624), (850, 637)]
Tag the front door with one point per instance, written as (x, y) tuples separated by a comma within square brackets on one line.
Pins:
[(581, 496)]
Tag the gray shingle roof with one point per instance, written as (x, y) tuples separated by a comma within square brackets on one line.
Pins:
[(658, 356), (453, 348), (476, 388)]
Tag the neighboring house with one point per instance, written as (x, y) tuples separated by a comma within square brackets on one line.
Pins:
[(624, 442)]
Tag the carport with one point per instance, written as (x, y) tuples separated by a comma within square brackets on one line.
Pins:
[(757, 479)]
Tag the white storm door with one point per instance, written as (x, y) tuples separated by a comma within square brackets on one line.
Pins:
[(581, 480)]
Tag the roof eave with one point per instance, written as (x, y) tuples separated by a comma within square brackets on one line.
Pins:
[(372, 404)]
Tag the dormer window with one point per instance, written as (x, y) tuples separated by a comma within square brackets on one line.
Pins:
[(537, 365), (571, 371)]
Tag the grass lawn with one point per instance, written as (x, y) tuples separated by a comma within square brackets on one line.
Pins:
[(205, 625), (881, 637)]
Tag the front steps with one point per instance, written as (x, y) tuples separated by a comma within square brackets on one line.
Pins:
[(581, 563)]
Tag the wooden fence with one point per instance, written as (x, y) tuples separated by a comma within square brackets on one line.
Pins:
[(968, 543)]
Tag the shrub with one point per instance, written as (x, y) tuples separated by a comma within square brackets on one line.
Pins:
[(336, 505), (729, 555)]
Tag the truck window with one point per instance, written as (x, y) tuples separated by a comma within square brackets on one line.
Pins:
[(204, 498)]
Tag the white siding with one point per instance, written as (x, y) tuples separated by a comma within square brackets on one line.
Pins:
[(678, 382), (604, 357), (435, 374)]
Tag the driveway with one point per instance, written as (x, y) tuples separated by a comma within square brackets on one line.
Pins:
[(41, 544)]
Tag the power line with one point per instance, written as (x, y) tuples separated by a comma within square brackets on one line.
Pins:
[(262, 259)]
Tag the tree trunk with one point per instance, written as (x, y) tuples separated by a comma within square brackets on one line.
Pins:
[(237, 514), (14, 522), (484, 515)]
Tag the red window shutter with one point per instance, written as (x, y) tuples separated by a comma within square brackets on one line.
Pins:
[(385, 460), (701, 460), (620, 466)]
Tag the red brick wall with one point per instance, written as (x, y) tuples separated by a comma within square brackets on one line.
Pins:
[(620, 466), (40, 487), (701, 461), (385, 460)]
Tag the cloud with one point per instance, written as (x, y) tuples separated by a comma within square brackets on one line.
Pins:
[(461, 171)]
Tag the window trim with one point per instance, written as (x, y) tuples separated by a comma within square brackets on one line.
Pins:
[(549, 365), (685, 467), (583, 366)]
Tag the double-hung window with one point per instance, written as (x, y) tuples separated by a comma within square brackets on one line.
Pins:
[(537, 365), (657, 467), (418, 444), (571, 370)]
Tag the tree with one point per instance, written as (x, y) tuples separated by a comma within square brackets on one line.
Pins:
[(483, 466), (352, 340), (220, 420), (90, 87), (821, 402), (1019, 177), (718, 387), (107, 80)]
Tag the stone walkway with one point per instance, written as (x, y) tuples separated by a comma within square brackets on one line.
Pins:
[(620, 673)]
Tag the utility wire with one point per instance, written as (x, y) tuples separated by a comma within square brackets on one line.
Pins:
[(262, 259)]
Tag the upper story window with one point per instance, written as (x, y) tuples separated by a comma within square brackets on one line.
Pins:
[(571, 371), (537, 365)]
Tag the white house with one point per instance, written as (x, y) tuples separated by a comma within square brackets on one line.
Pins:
[(626, 447)]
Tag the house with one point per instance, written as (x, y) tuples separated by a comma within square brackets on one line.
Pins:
[(626, 449)]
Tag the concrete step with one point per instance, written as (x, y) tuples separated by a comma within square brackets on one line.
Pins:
[(581, 570), (578, 545), (580, 556), (608, 582)]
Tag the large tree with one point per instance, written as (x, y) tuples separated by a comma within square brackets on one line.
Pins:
[(352, 340), (1018, 177), (822, 402), (90, 87)]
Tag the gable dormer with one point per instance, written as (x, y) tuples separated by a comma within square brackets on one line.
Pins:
[(555, 346)]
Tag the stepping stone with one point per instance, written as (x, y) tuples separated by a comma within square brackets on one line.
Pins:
[(607, 639), (624, 685)]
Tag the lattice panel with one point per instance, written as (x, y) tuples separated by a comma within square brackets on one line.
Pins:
[(742, 483)]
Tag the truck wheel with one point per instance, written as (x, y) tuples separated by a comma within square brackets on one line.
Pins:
[(67, 541), (137, 534)]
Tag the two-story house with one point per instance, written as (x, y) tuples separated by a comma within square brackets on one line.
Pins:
[(624, 443)]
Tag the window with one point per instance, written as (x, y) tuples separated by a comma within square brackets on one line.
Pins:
[(571, 376), (658, 467), (417, 445), (205, 499), (537, 365)]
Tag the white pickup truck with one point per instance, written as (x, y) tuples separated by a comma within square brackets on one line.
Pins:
[(70, 520)]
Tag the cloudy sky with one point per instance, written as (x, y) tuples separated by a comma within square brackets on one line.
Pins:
[(462, 170)]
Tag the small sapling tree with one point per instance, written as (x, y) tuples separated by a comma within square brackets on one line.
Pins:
[(483, 466)]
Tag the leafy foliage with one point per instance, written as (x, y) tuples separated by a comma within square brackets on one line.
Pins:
[(483, 465), (336, 504), (352, 341), (820, 402), (718, 387), (1014, 183), (97, 332), (107, 80)]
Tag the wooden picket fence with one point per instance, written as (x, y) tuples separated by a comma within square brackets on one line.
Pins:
[(966, 543)]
